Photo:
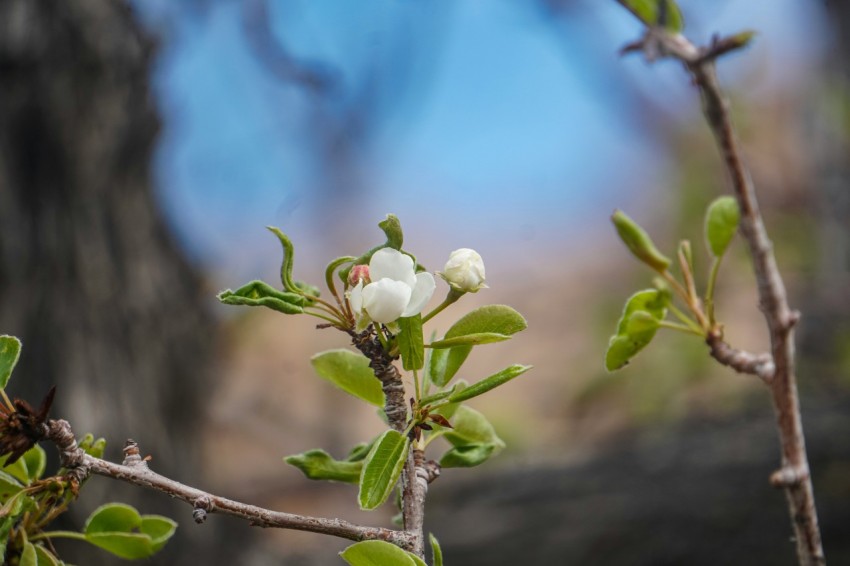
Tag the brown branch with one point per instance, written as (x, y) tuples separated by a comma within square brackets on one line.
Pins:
[(793, 477), (137, 472), (413, 490), (760, 365)]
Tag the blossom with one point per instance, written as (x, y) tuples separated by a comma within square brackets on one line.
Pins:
[(464, 271), (396, 290)]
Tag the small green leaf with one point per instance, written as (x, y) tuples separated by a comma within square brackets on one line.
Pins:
[(9, 486), (260, 294), (45, 557), (436, 551), (410, 342), (470, 340), (6, 524), (288, 259), (10, 351), (497, 319), (350, 372), (489, 383), (448, 410), (28, 556), (653, 301), (639, 242), (376, 553), (36, 461), (721, 224), (637, 326), (17, 469), (391, 226), (467, 456), (360, 451), (471, 427), (382, 468), (119, 529), (663, 13), (437, 367), (319, 465)]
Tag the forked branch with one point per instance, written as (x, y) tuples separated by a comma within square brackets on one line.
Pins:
[(793, 476)]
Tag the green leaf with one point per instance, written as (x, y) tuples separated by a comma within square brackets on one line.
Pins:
[(496, 319), (36, 461), (467, 456), (6, 524), (470, 340), (499, 319), (28, 556), (119, 529), (319, 465), (391, 226), (45, 557), (653, 301), (637, 326), (382, 468), (376, 553), (17, 469), (10, 351), (350, 372), (436, 551), (9, 486), (450, 409), (489, 383), (657, 12), (411, 342), (260, 294), (639, 242), (437, 367), (721, 224), (360, 451), (288, 259), (471, 427)]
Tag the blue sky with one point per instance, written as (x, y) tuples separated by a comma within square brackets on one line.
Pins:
[(486, 118)]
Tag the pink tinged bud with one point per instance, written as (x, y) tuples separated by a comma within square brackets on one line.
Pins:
[(357, 274)]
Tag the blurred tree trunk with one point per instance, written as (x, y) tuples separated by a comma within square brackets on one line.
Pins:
[(107, 308)]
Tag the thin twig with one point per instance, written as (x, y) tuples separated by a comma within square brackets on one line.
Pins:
[(138, 473), (793, 477)]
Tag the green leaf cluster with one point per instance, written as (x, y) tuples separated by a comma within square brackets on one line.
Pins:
[(646, 311), (122, 531)]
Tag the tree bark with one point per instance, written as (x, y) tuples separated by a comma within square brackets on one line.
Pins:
[(90, 279)]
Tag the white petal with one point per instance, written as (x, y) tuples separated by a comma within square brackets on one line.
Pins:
[(392, 264), (355, 298), (422, 293), (386, 299)]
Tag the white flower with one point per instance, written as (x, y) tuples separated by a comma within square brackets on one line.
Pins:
[(464, 271), (396, 289)]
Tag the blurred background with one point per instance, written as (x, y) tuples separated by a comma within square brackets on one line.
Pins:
[(145, 145)]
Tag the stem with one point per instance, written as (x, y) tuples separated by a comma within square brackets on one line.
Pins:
[(412, 489), (793, 477), (81, 465), (680, 327), (58, 534), (685, 319), (416, 390), (452, 297), (691, 302), (709, 291), (6, 400)]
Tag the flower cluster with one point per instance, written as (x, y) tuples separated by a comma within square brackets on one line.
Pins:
[(389, 287)]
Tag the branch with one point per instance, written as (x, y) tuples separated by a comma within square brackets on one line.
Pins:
[(135, 471), (760, 365), (793, 477), (413, 486)]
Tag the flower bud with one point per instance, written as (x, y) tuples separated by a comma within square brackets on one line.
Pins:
[(464, 271), (357, 274)]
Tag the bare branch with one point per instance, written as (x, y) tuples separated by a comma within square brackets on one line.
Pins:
[(760, 365), (138, 473), (793, 477)]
